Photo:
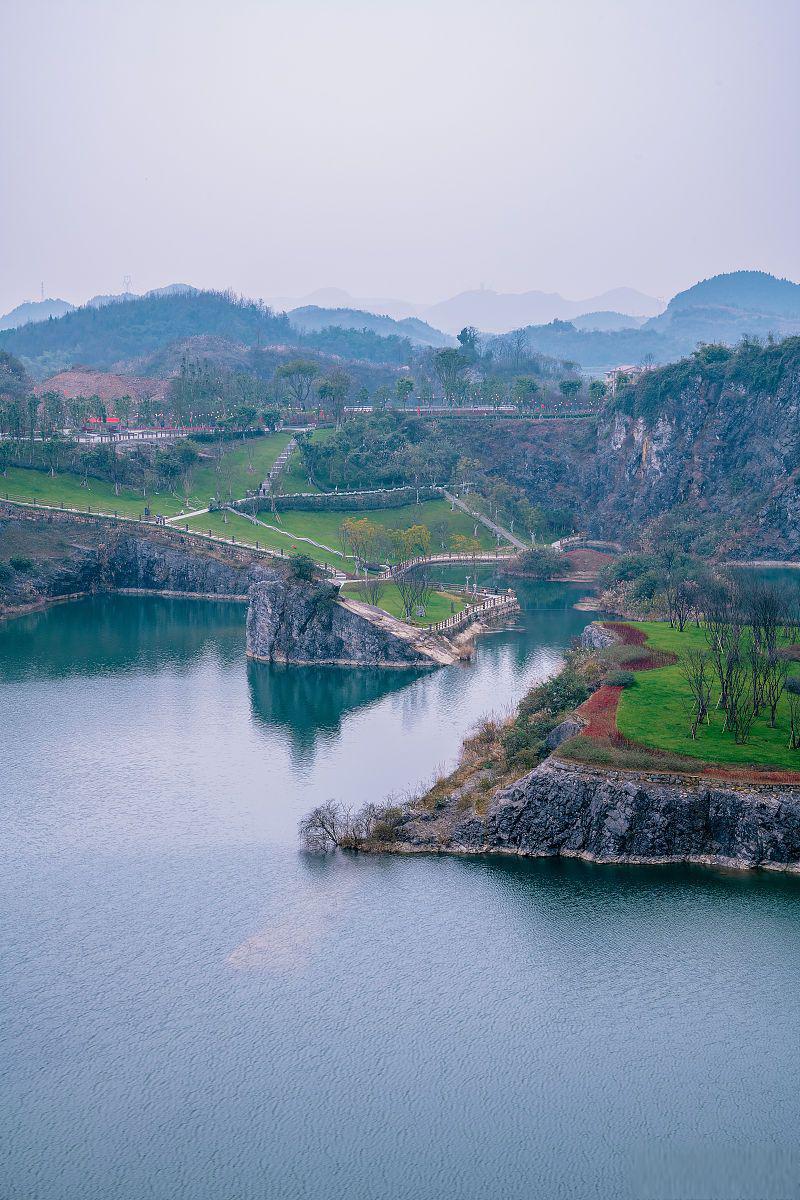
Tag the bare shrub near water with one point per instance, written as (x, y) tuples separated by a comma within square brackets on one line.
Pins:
[(337, 826)]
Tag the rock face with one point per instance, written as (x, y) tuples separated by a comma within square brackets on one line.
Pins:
[(60, 556), (562, 809), (133, 562), (565, 730), (300, 622), (595, 637)]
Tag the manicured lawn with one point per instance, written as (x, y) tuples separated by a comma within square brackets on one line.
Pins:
[(243, 468), (21, 483), (245, 531), (651, 712), (441, 604), (324, 526)]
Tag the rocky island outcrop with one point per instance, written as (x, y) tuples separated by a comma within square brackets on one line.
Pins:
[(296, 621), (290, 619)]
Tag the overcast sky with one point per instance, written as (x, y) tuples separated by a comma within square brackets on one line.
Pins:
[(396, 148)]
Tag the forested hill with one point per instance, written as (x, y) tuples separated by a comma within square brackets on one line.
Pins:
[(124, 334), (753, 291), (311, 318)]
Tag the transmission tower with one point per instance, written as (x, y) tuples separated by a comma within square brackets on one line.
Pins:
[(126, 283)]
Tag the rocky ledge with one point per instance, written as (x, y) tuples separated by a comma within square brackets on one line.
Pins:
[(563, 809), (293, 621)]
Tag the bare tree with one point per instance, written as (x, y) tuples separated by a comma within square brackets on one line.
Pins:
[(696, 670), (793, 697), (415, 590), (722, 625), (774, 682)]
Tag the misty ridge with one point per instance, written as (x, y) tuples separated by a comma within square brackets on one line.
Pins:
[(52, 334)]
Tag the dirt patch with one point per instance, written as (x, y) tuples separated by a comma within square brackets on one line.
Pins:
[(587, 563)]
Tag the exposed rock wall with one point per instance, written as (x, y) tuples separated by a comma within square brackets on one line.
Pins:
[(299, 622), (608, 816), (63, 556), (133, 561)]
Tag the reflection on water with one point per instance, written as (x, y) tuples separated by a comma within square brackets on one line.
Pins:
[(310, 702), (110, 635), (191, 1010)]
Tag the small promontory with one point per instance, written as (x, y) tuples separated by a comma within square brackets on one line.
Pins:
[(306, 622)]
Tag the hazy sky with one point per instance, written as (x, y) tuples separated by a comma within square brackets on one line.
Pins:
[(396, 148)]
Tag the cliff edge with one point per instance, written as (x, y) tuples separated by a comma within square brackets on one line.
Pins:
[(607, 816)]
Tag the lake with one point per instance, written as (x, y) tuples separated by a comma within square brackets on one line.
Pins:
[(192, 1009)]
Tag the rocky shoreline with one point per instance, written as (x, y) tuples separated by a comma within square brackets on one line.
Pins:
[(566, 808), (570, 811)]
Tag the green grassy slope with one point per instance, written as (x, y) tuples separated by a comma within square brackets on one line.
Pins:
[(22, 483), (324, 526), (652, 713), (245, 531)]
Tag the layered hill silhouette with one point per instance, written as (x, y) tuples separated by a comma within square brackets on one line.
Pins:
[(149, 334)]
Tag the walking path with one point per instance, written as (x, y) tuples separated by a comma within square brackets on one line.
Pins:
[(279, 464), (197, 512), (499, 530)]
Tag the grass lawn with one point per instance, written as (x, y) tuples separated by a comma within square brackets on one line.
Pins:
[(441, 604), (293, 477), (21, 483), (245, 531), (324, 526), (244, 468), (651, 712)]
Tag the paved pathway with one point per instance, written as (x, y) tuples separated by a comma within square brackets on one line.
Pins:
[(499, 530), (197, 512)]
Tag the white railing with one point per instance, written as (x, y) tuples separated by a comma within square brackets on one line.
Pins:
[(156, 523), (495, 604), (482, 556)]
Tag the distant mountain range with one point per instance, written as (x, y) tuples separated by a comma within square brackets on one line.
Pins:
[(180, 319), (724, 308), (492, 312)]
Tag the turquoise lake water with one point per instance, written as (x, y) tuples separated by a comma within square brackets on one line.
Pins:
[(191, 1009)]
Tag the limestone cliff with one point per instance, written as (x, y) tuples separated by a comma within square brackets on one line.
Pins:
[(46, 557), (299, 622), (610, 816)]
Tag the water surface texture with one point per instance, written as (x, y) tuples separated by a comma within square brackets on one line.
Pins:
[(192, 1010)]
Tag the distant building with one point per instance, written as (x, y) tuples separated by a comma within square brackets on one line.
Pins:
[(618, 376)]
